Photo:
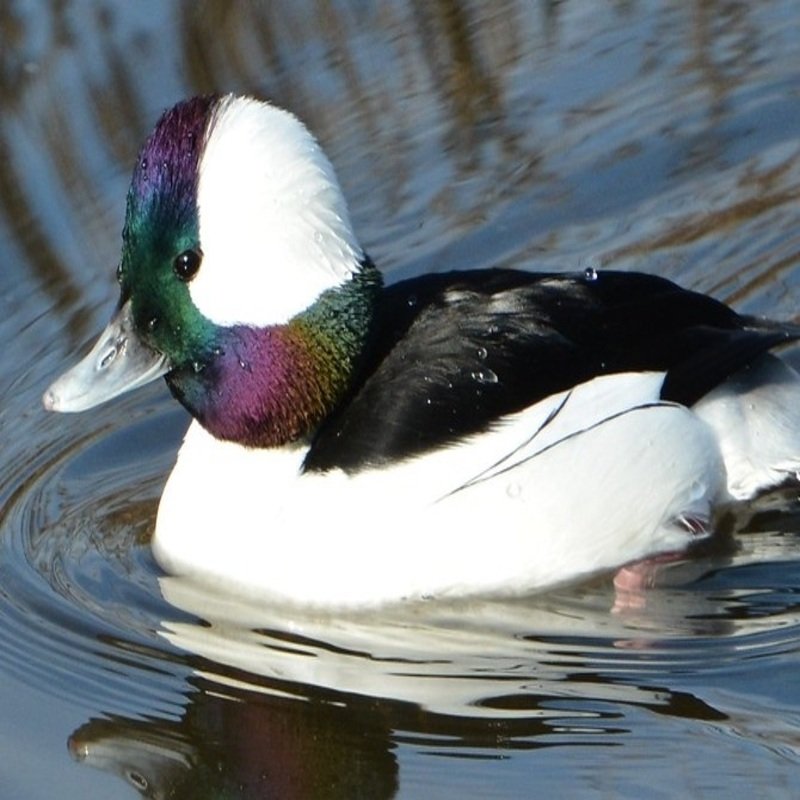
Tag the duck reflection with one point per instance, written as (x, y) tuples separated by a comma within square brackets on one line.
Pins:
[(284, 704), (231, 743), (288, 704)]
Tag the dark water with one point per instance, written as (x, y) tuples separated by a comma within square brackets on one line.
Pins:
[(559, 135)]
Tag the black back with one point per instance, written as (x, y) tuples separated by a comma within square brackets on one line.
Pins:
[(453, 352)]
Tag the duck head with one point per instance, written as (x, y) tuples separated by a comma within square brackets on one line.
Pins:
[(241, 280)]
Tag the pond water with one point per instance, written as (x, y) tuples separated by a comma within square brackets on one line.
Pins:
[(662, 136)]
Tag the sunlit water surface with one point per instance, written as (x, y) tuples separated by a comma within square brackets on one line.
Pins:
[(643, 135)]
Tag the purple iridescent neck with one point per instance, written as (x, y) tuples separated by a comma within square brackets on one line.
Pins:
[(261, 389), (266, 387)]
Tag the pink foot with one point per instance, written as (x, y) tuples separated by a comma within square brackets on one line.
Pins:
[(633, 580)]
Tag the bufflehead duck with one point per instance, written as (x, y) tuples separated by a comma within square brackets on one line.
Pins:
[(491, 431)]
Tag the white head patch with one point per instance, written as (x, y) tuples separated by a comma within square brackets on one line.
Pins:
[(274, 227)]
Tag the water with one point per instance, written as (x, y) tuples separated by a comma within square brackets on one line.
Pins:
[(658, 136)]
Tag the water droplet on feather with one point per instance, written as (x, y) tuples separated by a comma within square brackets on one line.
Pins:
[(484, 376)]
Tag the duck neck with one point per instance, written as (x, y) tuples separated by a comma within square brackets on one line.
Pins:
[(272, 386)]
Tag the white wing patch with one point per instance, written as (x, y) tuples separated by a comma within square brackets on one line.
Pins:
[(560, 417)]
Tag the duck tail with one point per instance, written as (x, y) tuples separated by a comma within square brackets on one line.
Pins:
[(755, 415)]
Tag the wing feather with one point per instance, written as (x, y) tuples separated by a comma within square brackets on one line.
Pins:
[(453, 353)]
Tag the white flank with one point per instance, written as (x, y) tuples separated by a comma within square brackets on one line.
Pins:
[(602, 484), (274, 226)]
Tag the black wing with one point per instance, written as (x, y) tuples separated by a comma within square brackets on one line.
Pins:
[(453, 352)]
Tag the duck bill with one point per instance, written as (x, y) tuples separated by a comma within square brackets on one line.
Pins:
[(118, 362)]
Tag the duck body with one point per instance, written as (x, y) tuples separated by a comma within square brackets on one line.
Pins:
[(491, 431)]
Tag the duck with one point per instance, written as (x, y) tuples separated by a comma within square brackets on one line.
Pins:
[(358, 442)]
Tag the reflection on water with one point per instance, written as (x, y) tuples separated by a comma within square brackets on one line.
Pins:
[(234, 746), (315, 706), (540, 135)]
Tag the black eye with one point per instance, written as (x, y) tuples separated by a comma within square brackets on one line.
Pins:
[(187, 263)]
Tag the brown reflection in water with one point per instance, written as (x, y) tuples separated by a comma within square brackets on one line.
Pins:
[(723, 44), (17, 207), (358, 75), (694, 227), (198, 50), (115, 103), (233, 744), (446, 48), (41, 257), (450, 47)]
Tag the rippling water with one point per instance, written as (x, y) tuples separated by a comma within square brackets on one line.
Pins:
[(647, 135)]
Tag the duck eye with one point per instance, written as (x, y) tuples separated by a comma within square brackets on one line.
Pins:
[(186, 264)]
